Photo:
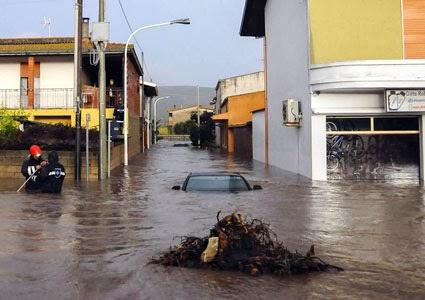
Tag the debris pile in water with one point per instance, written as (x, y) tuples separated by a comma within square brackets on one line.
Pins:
[(249, 246)]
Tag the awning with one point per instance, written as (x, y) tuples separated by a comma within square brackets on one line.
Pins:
[(221, 117), (149, 88)]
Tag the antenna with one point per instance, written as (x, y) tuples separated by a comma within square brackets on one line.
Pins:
[(47, 22)]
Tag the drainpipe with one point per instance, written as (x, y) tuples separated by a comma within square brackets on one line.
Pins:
[(266, 108)]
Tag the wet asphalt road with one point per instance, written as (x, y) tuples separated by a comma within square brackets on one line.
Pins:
[(94, 240)]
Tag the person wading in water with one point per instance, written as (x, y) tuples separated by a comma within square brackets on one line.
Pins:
[(31, 169), (52, 175)]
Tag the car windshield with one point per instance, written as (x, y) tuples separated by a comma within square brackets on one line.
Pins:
[(216, 183)]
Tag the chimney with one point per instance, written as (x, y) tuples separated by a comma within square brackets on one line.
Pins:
[(86, 28)]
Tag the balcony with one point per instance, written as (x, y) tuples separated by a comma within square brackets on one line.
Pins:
[(114, 97), (43, 98), (375, 75), (57, 98)]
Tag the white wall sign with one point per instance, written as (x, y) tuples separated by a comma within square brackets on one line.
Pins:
[(405, 100)]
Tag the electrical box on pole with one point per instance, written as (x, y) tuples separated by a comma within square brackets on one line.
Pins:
[(100, 32)]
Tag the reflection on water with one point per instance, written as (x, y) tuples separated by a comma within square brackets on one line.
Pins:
[(94, 240)]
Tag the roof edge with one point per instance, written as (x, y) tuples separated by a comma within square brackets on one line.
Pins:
[(253, 19)]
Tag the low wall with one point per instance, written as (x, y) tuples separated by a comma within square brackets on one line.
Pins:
[(11, 162), (175, 137)]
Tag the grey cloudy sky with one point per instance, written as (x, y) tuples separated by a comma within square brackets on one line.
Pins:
[(201, 53)]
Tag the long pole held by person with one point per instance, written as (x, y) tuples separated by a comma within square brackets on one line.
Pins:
[(26, 181)]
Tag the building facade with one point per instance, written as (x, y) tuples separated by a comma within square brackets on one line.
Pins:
[(183, 114), (236, 99), (37, 78), (150, 91), (356, 68)]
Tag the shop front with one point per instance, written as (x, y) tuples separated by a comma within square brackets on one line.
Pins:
[(373, 147), (368, 121)]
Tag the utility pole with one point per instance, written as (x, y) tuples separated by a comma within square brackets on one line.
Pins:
[(102, 100), (199, 123), (78, 37)]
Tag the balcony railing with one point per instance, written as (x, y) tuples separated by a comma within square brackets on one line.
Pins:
[(43, 98), (114, 97), (58, 98), (54, 98), (13, 99)]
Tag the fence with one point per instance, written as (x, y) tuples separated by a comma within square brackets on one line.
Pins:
[(11, 162)]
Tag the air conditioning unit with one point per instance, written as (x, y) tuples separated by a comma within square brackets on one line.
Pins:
[(291, 113)]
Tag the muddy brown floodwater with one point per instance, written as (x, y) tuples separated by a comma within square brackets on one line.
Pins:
[(94, 241)]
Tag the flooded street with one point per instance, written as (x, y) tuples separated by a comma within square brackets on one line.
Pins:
[(94, 241)]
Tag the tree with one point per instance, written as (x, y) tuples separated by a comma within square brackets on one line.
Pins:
[(184, 127), (205, 133)]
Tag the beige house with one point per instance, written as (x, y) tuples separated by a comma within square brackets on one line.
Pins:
[(183, 114)]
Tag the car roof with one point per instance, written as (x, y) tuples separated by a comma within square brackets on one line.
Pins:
[(223, 173)]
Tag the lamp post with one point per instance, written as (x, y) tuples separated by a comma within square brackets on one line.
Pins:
[(178, 21), (154, 115)]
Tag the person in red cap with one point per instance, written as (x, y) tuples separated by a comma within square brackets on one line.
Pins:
[(31, 167)]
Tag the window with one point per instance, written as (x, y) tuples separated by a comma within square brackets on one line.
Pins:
[(216, 183), (24, 91), (372, 125)]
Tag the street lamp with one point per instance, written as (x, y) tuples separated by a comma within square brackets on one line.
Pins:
[(154, 114), (125, 131)]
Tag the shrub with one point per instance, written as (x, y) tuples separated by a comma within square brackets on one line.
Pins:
[(8, 124), (184, 127), (49, 137)]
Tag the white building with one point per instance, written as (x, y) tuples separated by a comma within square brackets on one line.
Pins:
[(343, 61)]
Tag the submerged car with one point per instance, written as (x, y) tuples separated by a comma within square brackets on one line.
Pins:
[(216, 181)]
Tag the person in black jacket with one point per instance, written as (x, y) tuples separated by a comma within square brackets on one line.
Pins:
[(31, 168), (119, 112), (52, 175)]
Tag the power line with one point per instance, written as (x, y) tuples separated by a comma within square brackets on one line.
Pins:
[(131, 30)]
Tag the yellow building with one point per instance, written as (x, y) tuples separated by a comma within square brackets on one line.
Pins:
[(183, 114), (235, 121)]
